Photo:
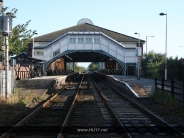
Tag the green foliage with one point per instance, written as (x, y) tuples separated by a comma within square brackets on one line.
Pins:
[(165, 98), (93, 66), (153, 66), (78, 68), (21, 102), (20, 37), (21, 98), (1, 54), (173, 68), (11, 13)]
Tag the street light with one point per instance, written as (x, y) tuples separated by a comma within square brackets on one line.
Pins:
[(33, 45), (162, 14), (146, 45), (6, 27), (138, 66)]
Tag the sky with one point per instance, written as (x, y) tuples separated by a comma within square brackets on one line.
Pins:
[(122, 16)]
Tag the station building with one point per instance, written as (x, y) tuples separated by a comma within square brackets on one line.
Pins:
[(86, 42)]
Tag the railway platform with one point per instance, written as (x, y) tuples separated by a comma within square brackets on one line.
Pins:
[(143, 86), (41, 85)]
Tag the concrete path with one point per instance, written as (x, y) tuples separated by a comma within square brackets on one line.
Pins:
[(139, 86)]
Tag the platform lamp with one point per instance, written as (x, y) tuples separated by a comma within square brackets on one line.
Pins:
[(162, 14), (6, 27), (138, 55)]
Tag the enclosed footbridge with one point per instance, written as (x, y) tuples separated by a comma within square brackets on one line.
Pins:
[(86, 42)]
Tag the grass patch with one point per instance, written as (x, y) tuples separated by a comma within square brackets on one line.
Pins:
[(20, 97), (165, 98), (17, 99)]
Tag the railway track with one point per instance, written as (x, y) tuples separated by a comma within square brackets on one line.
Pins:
[(133, 119), (89, 116), (90, 108), (46, 121)]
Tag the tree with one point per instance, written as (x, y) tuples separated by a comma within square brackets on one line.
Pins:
[(173, 69), (20, 37), (152, 65), (78, 68), (93, 66)]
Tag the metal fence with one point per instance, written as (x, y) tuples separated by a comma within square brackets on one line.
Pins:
[(10, 83)]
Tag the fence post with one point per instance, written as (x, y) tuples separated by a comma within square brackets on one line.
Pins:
[(162, 84), (155, 83), (172, 87)]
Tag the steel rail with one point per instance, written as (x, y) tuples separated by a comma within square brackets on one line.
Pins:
[(32, 114), (171, 129), (61, 135), (124, 130)]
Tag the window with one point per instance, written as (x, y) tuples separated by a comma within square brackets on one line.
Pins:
[(88, 40), (96, 40), (38, 53), (101, 65), (55, 53), (72, 40), (69, 65), (80, 40)]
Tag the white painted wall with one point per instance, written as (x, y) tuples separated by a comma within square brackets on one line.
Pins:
[(106, 44)]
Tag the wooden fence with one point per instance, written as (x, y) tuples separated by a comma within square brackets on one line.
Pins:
[(175, 88), (25, 74)]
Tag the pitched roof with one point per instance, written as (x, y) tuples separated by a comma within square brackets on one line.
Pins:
[(85, 28)]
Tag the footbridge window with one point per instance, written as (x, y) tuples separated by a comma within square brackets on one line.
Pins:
[(55, 53), (96, 40), (89, 40), (80, 40), (73, 40), (38, 53)]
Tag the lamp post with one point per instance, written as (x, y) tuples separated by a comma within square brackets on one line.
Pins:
[(147, 44), (6, 26), (33, 45), (162, 14), (138, 63)]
